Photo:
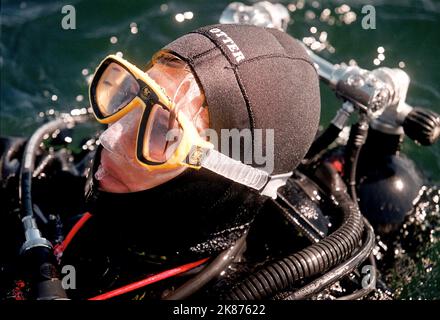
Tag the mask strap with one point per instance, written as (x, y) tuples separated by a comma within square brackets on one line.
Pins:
[(241, 173)]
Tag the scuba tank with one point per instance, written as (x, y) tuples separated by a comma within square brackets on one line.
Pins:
[(388, 182)]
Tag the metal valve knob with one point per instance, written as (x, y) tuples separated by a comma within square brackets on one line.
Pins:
[(422, 126)]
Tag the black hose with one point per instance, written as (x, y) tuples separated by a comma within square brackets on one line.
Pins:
[(28, 164), (364, 291), (282, 274), (323, 141), (358, 136), (352, 176), (29, 156), (36, 250), (338, 272), (208, 273)]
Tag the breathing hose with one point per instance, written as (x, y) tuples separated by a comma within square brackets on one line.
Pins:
[(37, 250), (338, 272), (282, 274), (369, 288)]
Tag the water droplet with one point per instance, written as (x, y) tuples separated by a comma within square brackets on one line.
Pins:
[(315, 4), (188, 15), (291, 7), (79, 98), (89, 79), (349, 17), (376, 62), (331, 21), (133, 25), (342, 9), (54, 97), (113, 40), (380, 49), (163, 7), (309, 40), (85, 72), (119, 54), (134, 30), (381, 56), (323, 36), (325, 14), (315, 45), (179, 17), (401, 64), (313, 30), (68, 139), (310, 15)]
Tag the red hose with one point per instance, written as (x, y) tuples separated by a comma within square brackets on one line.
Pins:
[(152, 279), (59, 249)]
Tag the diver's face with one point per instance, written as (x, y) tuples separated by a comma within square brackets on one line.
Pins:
[(119, 172)]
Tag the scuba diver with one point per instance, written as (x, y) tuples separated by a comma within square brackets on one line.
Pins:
[(153, 202), (208, 181)]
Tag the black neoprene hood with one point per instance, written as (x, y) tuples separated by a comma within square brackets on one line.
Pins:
[(256, 78)]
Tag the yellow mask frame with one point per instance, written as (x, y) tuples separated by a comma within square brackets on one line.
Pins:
[(150, 94)]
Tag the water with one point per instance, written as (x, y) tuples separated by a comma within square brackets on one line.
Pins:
[(44, 67)]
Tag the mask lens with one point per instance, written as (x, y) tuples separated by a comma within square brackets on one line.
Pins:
[(162, 135), (116, 88)]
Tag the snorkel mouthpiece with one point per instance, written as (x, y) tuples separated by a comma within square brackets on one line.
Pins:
[(237, 171)]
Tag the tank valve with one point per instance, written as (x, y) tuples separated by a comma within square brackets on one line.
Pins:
[(422, 126)]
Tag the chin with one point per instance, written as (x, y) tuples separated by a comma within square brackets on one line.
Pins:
[(109, 184)]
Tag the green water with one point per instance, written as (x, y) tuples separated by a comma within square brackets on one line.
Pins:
[(44, 67)]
